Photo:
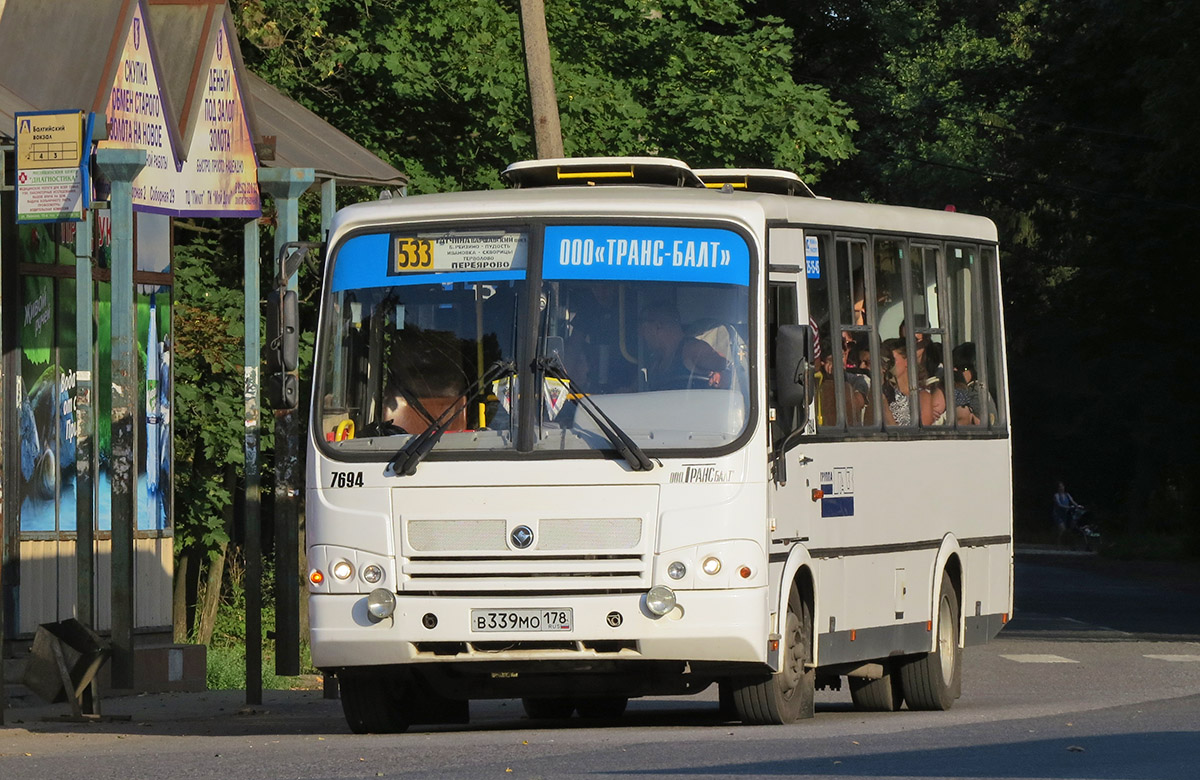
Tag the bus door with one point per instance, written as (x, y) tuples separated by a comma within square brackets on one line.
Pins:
[(788, 498)]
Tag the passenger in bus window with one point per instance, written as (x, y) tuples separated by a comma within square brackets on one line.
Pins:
[(678, 361), (963, 411), (978, 401), (898, 391), (858, 378), (929, 374), (855, 398)]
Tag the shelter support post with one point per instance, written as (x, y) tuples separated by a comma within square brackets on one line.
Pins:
[(328, 209), (85, 523), (7, 213), (253, 517), (120, 166), (286, 185)]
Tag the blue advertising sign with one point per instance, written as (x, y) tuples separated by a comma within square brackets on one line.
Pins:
[(652, 253)]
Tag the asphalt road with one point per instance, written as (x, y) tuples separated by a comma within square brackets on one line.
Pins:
[(1097, 677)]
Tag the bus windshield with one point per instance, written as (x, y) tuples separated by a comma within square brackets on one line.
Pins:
[(649, 323)]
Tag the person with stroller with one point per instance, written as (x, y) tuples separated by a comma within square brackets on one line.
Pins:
[(1066, 509)]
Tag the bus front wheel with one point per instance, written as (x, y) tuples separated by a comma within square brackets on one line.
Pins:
[(373, 701), (787, 695), (932, 681)]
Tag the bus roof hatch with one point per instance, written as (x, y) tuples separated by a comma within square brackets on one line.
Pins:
[(767, 180), (595, 171)]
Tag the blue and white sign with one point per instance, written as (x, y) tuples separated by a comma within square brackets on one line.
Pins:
[(837, 488), (651, 253), (812, 257)]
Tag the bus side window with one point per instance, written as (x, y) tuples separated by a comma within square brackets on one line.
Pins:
[(929, 331), (782, 309), (901, 392), (975, 334), (854, 339)]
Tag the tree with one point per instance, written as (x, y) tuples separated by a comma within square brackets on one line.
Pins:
[(439, 90)]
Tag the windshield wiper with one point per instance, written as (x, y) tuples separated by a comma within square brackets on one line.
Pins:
[(638, 460), (406, 460)]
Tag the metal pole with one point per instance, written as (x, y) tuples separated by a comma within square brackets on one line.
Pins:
[(328, 209), (286, 185), (120, 166), (85, 562), (253, 518), (5, 418)]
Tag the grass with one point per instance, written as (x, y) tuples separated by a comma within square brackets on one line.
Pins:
[(227, 671)]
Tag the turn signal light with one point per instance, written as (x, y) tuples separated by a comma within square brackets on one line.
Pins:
[(818, 494), (316, 577)]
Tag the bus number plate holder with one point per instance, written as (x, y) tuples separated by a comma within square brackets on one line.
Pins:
[(524, 619)]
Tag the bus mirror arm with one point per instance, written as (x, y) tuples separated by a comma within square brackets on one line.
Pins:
[(779, 457)]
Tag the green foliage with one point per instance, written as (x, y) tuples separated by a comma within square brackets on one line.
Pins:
[(439, 88), (227, 650), (208, 354)]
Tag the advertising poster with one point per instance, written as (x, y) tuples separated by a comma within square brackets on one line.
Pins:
[(153, 312), (46, 383)]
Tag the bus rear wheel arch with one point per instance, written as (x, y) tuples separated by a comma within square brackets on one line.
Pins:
[(933, 680)]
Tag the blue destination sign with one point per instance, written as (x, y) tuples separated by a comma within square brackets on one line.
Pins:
[(678, 254), (675, 254)]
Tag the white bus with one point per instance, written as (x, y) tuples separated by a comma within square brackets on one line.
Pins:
[(614, 433)]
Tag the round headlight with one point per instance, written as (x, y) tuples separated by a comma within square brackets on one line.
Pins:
[(372, 573), (660, 600), (677, 570), (381, 603), (711, 565), (343, 570)]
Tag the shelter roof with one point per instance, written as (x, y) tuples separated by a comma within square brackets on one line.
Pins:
[(46, 66), (304, 140)]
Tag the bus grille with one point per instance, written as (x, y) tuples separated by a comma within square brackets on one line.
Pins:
[(475, 540), (511, 573)]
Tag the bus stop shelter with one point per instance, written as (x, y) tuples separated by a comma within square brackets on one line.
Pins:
[(172, 124)]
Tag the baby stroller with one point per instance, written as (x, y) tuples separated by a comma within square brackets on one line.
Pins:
[(1083, 533)]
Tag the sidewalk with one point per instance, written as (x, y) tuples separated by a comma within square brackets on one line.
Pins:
[(210, 711)]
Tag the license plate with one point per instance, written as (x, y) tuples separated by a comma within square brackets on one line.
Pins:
[(522, 619)]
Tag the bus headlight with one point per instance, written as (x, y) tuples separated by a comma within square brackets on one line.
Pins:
[(677, 570), (343, 570), (711, 565), (660, 600), (381, 603), (372, 573)]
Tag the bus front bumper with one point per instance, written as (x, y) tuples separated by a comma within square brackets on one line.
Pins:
[(713, 626)]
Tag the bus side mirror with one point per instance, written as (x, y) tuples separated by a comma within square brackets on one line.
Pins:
[(283, 349), (793, 361)]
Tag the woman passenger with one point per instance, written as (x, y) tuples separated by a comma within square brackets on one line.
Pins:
[(899, 410)]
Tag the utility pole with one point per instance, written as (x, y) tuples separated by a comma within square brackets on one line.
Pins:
[(547, 132)]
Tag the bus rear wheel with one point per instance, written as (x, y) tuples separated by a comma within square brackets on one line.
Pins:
[(373, 700), (787, 695), (932, 681), (881, 695)]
